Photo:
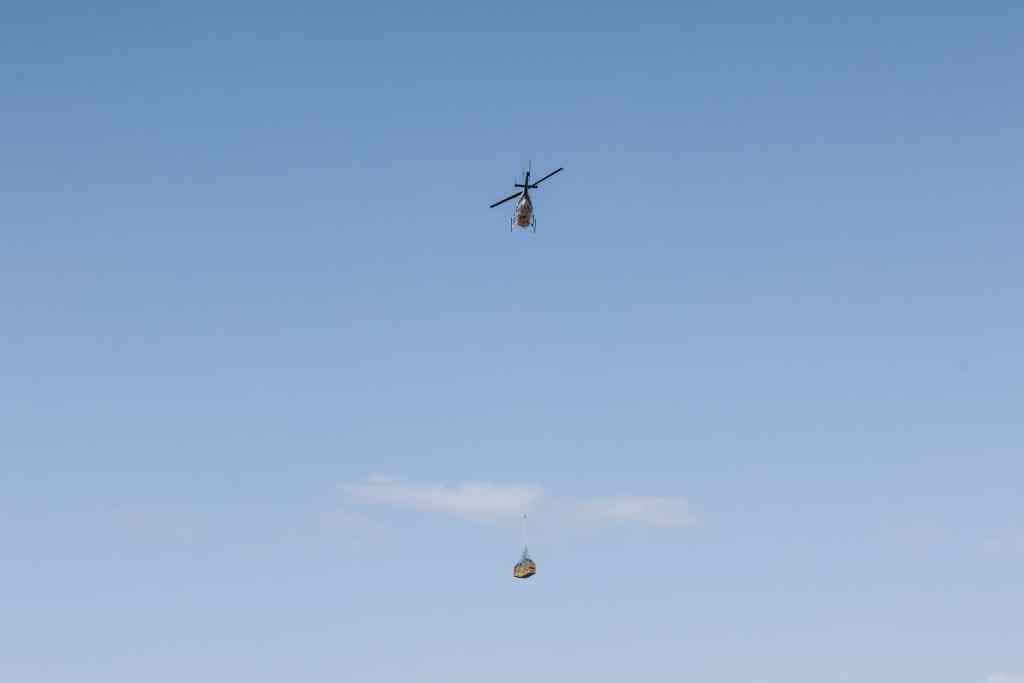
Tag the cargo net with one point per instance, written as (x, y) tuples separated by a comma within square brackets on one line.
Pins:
[(526, 567)]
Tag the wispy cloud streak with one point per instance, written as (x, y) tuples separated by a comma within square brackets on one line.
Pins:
[(1005, 678), (479, 501), (483, 501), (650, 510)]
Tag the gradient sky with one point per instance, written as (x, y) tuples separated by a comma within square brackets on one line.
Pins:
[(276, 382)]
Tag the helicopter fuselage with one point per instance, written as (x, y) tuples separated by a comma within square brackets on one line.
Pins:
[(524, 211), (523, 216)]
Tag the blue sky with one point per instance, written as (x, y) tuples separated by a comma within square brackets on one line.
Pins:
[(276, 383)]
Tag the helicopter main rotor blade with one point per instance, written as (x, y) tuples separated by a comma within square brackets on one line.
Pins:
[(511, 196), (535, 183)]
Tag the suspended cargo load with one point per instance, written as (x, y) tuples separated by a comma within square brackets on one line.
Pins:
[(526, 567)]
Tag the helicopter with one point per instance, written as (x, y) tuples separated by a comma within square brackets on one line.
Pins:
[(523, 216)]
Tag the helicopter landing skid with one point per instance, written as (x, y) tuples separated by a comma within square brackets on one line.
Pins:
[(512, 225)]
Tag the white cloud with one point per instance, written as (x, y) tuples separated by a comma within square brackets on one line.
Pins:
[(478, 501), (650, 510), (482, 501), (1005, 678), (1005, 543)]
